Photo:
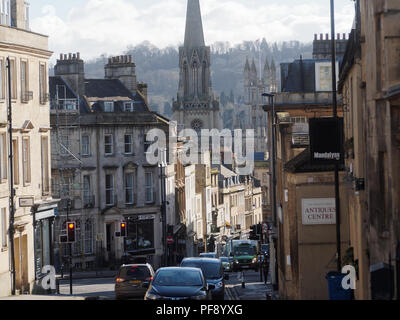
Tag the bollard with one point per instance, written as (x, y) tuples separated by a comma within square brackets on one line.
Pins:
[(243, 283)]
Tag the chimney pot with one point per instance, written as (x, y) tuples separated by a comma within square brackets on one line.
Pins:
[(327, 36), (321, 37), (344, 36), (69, 56), (78, 55), (315, 36), (338, 36), (61, 56), (74, 56)]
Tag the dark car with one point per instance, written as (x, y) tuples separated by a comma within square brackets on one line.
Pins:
[(265, 249), (208, 255), (213, 272), (131, 280), (175, 283)]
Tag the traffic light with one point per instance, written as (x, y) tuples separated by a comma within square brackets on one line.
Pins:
[(253, 232), (71, 231), (259, 229), (123, 229)]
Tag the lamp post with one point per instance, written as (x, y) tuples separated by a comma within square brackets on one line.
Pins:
[(335, 115), (270, 107)]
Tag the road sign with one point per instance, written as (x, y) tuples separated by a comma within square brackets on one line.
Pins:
[(170, 239), (265, 228)]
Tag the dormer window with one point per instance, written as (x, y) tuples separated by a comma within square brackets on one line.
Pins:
[(128, 106), (109, 106)]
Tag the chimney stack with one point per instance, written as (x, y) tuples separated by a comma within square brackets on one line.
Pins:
[(124, 69), (71, 69)]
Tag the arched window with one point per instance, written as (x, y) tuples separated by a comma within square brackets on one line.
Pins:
[(204, 78), (185, 79), (195, 77)]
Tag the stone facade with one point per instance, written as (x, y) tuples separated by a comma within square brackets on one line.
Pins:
[(100, 164), (29, 56), (370, 86)]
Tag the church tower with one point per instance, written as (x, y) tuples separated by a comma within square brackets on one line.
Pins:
[(195, 107)]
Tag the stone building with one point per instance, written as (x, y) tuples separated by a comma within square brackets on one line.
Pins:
[(306, 248), (34, 207), (100, 167), (370, 87), (196, 107)]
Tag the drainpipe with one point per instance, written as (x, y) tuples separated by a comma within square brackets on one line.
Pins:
[(11, 182)]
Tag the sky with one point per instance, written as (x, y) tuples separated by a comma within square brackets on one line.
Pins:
[(96, 27)]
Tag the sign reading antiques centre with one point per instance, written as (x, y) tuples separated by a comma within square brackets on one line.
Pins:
[(326, 141), (318, 211)]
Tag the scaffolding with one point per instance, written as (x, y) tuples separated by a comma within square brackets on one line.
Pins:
[(67, 178)]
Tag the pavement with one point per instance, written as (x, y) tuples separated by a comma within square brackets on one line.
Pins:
[(88, 274), (50, 297)]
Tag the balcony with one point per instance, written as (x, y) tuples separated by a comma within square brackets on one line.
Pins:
[(26, 96)]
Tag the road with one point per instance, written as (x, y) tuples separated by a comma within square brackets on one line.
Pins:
[(104, 287)]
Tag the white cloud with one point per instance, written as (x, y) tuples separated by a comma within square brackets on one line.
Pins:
[(110, 26)]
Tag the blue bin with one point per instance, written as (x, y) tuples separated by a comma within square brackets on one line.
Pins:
[(336, 291)]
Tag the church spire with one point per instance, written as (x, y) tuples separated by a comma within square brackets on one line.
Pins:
[(194, 36)]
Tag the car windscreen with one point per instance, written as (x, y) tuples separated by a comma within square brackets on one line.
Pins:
[(207, 255), (178, 278), (211, 270), (135, 272), (244, 251)]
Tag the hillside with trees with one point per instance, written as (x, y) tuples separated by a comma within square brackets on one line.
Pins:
[(159, 68)]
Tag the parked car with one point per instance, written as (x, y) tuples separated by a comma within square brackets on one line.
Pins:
[(226, 263), (131, 280), (175, 283), (213, 272), (208, 255)]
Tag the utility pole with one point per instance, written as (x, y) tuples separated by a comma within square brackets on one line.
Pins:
[(334, 98), (11, 182)]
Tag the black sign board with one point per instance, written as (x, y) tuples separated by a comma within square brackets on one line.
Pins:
[(326, 141)]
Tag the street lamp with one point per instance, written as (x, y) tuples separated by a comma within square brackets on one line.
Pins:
[(270, 107)]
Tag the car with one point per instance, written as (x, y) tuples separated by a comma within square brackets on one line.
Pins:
[(226, 263), (265, 249), (131, 280), (208, 255), (213, 272), (176, 283)]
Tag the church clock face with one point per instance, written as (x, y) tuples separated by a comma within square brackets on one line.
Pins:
[(197, 124)]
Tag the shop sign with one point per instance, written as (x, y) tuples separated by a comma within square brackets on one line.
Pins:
[(319, 211), (326, 141)]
